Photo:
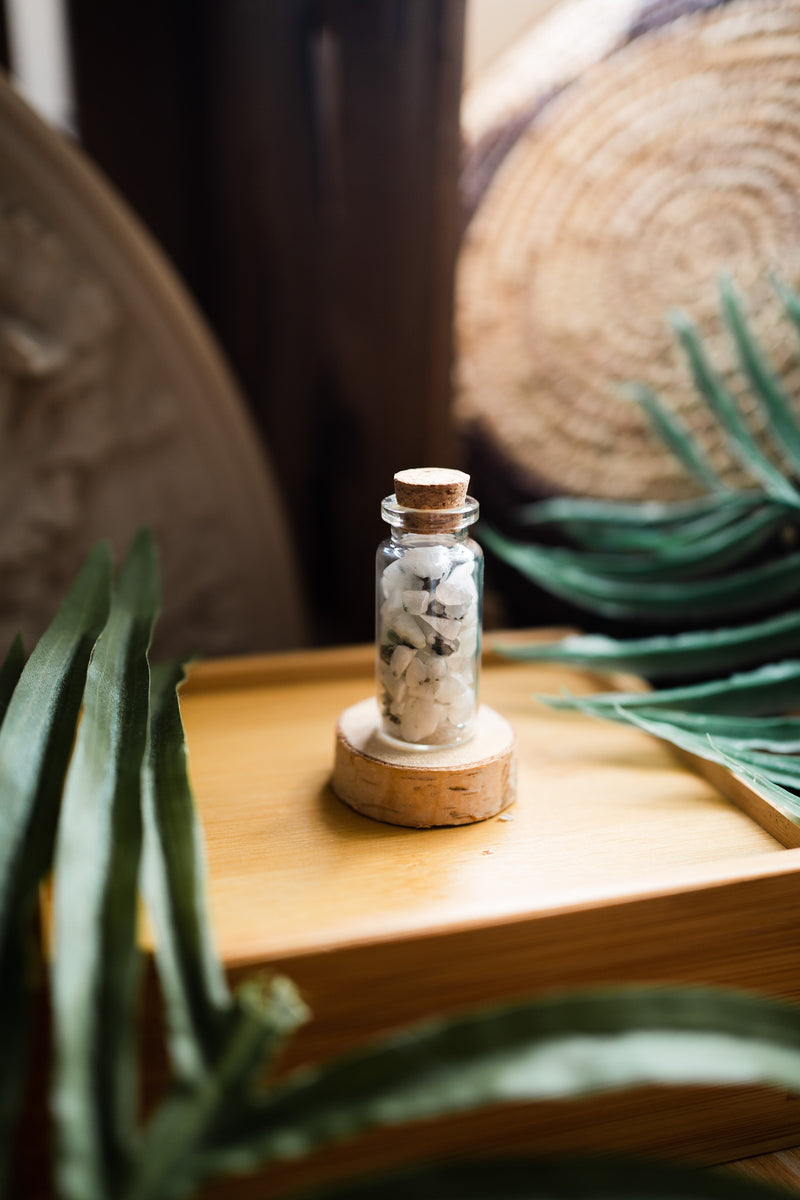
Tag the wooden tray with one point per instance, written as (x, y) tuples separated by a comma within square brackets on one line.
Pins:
[(618, 864)]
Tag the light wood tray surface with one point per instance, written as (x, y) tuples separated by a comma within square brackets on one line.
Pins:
[(603, 812), (621, 865)]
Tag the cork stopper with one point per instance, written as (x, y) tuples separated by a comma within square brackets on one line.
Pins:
[(433, 492), (431, 488)]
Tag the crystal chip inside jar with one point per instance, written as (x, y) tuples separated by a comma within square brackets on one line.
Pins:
[(429, 586)]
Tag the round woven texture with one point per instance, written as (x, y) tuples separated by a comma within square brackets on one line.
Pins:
[(675, 158)]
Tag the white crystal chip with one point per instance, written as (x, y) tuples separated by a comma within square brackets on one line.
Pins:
[(428, 622), (426, 562), (419, 719)]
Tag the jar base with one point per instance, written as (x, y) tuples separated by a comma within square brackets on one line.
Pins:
[(403, 784), (399, 744)]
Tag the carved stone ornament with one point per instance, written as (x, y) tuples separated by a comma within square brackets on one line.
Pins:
[(116, 410)]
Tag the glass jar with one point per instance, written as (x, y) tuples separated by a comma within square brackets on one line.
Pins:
[(429, 588)]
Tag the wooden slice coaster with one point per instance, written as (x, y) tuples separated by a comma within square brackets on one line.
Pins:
[(454, 785)]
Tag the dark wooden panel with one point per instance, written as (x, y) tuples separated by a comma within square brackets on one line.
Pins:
[(298, 160), (262, 180), (140, 114), (5, 60), (390, 252)]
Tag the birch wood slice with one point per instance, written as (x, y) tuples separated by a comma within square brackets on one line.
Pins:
[(454, 785)]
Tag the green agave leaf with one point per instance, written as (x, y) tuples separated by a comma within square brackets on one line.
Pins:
[(674, 434), (779, 734), (173, 1159), (774, 688), (790, 300), (547, 1179), (35, 743), (610, 525), (776, 767), (763, 382), (665, 655), (702, 557), (775, 771), (10, 673), (722, 597), (785, 802), (558, 1047), (95, 963), (192, 978), (218, 1042), (742, 442), (620, 513), (203, 1016), (38, 729)]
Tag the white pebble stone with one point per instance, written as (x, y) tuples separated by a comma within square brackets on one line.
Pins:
[(450, 689), (427, 562), (443, 627), (406, 628), (437, 666), (401, 657), (468, 642), (419, 671), (394, 578), (419, 720), (458, 590), (461, 710), (446, 733), (395, 687), (415, 602)]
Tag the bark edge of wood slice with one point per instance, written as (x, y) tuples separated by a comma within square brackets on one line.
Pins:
[(421, 789)]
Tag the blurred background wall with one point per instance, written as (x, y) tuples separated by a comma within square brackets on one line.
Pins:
[(317, 169)]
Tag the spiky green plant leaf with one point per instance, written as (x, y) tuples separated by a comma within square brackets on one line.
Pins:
[(203, 1018), (38, 729), (95, 961), (219, 1042), (743, 444), (725, 596), (677, 438), (192, 978), (716, 551), (778, 768), (35, 742), (784, 801), (174, 1157), (764, 384), (642, 525), (701, 652), (771, 689), (558, 1047), (778, 734)]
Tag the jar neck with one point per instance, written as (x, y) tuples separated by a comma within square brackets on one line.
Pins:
[(411, 537), (429, 524)]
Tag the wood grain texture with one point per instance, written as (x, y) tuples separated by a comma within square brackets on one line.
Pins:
[(618, 865), (779, 1170), (603, 813)]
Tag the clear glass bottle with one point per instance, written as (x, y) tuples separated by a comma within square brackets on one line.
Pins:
[(429, 591)]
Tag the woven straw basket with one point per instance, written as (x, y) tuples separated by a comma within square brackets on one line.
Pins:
[(606, 196)]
